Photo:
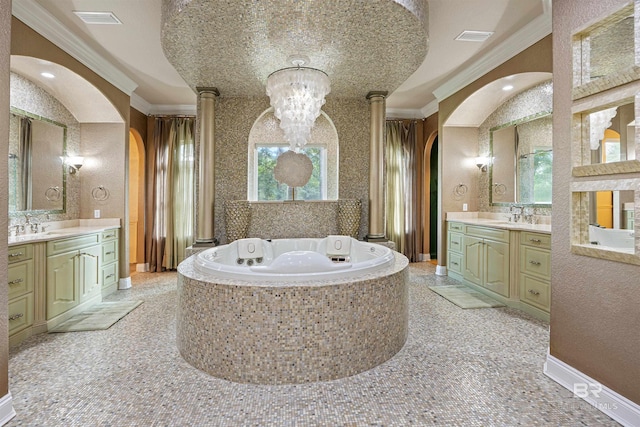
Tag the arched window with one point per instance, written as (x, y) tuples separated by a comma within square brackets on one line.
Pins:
[(266, 143)]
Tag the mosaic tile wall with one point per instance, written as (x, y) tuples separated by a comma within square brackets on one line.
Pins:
[(531, 102), (283, 334), (28, 97), (235, 118)]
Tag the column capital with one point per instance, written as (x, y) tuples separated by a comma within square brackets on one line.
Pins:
[(377, 94), (213, 90)]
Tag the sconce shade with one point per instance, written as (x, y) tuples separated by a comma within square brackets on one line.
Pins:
[(482, 163), (74, 163)]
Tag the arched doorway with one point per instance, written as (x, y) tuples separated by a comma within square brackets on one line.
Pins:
[(430, 198), (136, 202)]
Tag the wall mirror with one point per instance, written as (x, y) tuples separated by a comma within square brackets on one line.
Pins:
[(606, 221), (522, 158), (36, 175), (606, 54), (608, 140)]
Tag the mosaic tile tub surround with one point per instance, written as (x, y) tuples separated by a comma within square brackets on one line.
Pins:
[(288, 334)]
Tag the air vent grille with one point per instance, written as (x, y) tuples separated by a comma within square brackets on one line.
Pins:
[(98, 17), (474, 36)]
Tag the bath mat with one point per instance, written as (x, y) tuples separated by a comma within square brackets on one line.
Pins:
[(99, 317), (465, 297)]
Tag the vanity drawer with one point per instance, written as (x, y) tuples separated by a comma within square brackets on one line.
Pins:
[(535, 261), (20, 278), (455, 242), (455, 262), (538, 240), (109, 274), (535, 292), (109, 251), (20, 313), (109, 235), (20, 253), (456, 226), (63, 245), (488, 233)]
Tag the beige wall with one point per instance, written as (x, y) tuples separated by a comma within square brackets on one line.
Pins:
[(5, 41), (595, 320)]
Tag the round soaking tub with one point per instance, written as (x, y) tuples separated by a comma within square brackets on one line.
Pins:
[(292, 310)]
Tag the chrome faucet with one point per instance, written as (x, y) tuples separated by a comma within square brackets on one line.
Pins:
[(516, 212), (33, 224)]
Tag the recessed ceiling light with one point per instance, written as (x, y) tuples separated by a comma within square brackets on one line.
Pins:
[(47, 75), (473, 36), (97, 17)]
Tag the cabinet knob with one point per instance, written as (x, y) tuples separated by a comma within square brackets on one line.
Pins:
[(108, 253), (534, 262), (109, 276), (535, 240), (454, 263), (15, 282), (532, 292), (16, 316), (15, 254)]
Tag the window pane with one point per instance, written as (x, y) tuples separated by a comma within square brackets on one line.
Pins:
[(542, 164), (268, 187)]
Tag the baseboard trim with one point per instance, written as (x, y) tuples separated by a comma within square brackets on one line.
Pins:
[(441, 270), (124, 283), (6, 409), (600, 397), (142, 268)]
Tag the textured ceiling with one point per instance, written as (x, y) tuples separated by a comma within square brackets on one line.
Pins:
[(234, 45)]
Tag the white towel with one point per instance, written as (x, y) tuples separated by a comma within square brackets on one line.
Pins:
[(338, 245), (250, 248)]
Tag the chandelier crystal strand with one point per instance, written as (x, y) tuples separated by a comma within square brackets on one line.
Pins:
[(297, 95)]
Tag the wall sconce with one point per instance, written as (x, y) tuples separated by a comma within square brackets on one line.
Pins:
[(482, 163), (74, 163)]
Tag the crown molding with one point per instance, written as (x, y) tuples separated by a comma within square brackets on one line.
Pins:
[(531, 33), (430, 108), (140, 104), (41, 21)]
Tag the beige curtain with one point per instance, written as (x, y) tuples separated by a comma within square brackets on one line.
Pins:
[(170, 192), (402, 195)]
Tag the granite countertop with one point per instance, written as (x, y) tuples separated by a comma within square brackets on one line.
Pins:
[(488, 219), (63, 229)]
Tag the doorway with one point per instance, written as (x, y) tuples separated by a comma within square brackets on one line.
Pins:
[(136, 202)]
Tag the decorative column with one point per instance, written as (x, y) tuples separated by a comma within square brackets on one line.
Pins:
[(206, 162), (376, 166)]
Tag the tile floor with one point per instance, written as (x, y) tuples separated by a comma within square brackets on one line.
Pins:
[(477, 367)]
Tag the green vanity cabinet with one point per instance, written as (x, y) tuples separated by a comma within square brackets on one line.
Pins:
[(20, 284), (455, 260), (486, 258), (73, 273), (109, 268), (535, 270)]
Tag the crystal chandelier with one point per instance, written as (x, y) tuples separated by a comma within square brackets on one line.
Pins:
[(296, 95)]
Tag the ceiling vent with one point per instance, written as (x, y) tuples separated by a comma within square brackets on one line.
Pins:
[(474, 36), (98, 17)]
